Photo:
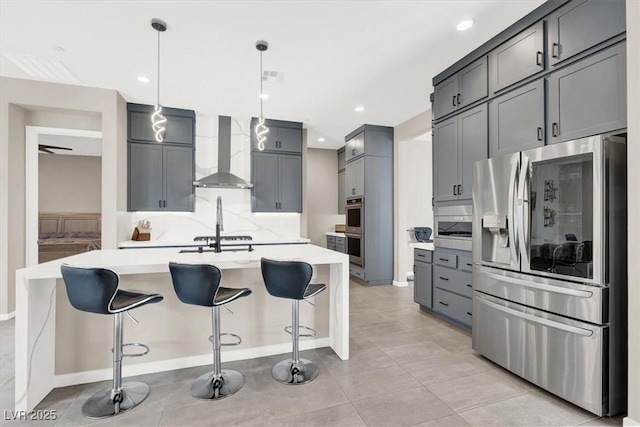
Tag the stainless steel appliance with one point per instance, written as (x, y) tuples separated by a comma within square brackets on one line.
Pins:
[(355, 215), (549, 278), (355, 248), (453, 227)]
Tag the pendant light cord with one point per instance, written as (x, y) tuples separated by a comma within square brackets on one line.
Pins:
[(261, 92), (158, 67)]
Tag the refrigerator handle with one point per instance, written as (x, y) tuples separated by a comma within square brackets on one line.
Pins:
[(523, 209), (511, 220)]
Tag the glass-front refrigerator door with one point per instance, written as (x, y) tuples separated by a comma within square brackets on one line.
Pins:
[(560, 199)]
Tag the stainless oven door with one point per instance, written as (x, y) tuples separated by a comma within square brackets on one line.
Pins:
[(355, 249), (355, 218)]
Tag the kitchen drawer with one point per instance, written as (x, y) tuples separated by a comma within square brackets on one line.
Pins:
[(422, 255), (448, 260), (453, 306), (452, 280), (465, 263), (331, 246), (331, 239), (341, 248), (357, 272), (341, 240)]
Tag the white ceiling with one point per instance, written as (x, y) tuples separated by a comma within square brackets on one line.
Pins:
[(334, 54), (80, 146)]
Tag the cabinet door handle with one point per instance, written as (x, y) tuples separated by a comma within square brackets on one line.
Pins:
[(164, 202), (469, 286), (554, 129), (353, 151), (469, 314), (444, 278), (459, 190), (443, 303), (540, 135), (454, 190), (159, 203), (454, 100), (458, 99), (555, 50), (539, 59), (353, 191)]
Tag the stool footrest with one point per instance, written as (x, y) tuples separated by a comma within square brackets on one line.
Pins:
[(135, 344), (229, 334), (288, 329)]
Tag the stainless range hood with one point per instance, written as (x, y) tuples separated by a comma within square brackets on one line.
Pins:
[(223, 178)]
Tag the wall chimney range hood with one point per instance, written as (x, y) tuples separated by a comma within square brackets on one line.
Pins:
[(223, 178)]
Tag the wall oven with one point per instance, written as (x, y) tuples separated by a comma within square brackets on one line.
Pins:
[(453, 226), (355, 249), (355, 215)]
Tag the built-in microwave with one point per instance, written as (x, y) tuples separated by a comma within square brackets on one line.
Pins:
[(453, 226), (355, 215)]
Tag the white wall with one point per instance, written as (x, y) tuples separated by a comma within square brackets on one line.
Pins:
[(406, 131), (633, 159), (322, 194), (237, 215), (414, 196), (69, 183)]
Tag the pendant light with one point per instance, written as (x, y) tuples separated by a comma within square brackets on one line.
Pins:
[(157, 118), (261, 129)]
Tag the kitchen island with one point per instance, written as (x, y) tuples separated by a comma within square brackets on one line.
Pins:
[(58, 346)]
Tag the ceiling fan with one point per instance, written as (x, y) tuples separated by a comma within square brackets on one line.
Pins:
[(48, 148)]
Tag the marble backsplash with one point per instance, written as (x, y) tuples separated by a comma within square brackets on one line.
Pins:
[(236, 203)]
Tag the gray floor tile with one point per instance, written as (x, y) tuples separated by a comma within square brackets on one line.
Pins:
[(473, 391), (455, 344), (341, 415), (364, 385), (549, 402), (385, 339), (444, 368), (404, 408), (605, 422), (415, 352), (450, 421), (366, 360)]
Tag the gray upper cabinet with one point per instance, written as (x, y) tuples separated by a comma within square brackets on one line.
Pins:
[(517, 120), (354, 147), (342, 159), (458, 143), (342, 192), (520, 57), (277, 182), (283, 136), (589, 96), (355, 178), (582, 24), (463, 88), (160, 175)]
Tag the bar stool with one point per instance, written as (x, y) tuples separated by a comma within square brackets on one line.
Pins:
[(95, 290), (290, 279), (199, 284)]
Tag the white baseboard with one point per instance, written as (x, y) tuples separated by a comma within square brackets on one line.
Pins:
[(400, 284), (84, 377), (7, 316), (626, 421)]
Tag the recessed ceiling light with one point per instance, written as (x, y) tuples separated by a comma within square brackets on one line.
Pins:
[(264, 96), (465, 24), (359, 108), (320, 139), (143, 79)]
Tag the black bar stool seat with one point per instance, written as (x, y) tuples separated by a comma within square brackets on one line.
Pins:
[(95, 290), (291, 280), (199, 284)]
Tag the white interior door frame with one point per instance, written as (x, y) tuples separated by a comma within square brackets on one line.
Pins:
[(32, 136)]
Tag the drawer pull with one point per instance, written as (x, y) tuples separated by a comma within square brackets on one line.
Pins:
[(422, 255), (444, 259), (469, 314), (469, 264), (469, 286), (443, 303), (444, 278)]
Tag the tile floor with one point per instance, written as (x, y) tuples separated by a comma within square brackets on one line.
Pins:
[(407, 368)]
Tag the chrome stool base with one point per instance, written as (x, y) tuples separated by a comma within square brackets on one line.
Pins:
[(100, 404), (285, 373), (206, 388)]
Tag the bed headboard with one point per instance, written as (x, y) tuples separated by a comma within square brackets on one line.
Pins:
[(69, 222)]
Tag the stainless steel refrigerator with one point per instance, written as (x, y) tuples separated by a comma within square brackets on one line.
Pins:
[(549, 276)]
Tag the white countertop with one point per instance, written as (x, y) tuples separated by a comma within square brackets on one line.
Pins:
[(427, 246), (133, 244), (333, 233), (156, 260)]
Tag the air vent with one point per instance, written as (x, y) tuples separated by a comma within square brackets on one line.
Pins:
[(271, 76), (43, 68)]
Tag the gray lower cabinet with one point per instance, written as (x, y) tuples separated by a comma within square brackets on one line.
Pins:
[(342, 192), (355, 178), (337, 244), (160, 177), (458, 143), (582, 24), (520, 57), (589, 96), (422, 278), (452, 286), (517, 120), (277, 182)]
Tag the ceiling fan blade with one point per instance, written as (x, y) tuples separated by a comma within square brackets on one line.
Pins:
[(56, 147)]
